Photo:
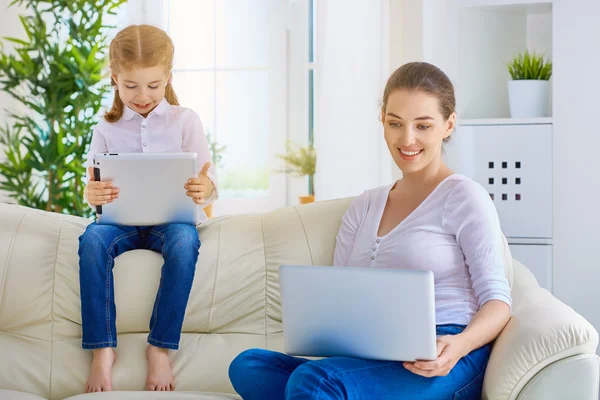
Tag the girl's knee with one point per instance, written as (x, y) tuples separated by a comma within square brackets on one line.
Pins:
[(186, 234)]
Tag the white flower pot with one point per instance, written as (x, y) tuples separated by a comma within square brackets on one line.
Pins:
[(528, 98)]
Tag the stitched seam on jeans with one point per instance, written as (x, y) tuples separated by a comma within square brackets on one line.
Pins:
[(108, 278), (164, 255), (10, 247), (468, 385), (165, 343), (214, 287), (53, 299), (329, 376), (305, 236), (99, 343), (262, 230)]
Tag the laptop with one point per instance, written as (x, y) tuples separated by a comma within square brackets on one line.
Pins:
[(368, 313), (150, 186)]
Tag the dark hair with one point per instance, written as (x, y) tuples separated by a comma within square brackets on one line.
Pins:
[(425, 77)]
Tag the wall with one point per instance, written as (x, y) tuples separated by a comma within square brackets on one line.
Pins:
[(349, 86), (576, 33)]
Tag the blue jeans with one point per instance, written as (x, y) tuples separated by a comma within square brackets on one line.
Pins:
[(263, 374), (101, 244)]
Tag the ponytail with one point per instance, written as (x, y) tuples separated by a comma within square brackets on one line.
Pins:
[(170, 95), (116, 111)]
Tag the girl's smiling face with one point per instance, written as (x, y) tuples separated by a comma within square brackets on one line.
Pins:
[(142, 89)]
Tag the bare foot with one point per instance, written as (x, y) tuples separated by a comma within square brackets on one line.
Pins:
[(160, 376), (100, 379)]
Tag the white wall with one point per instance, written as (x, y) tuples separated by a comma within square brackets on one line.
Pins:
[(349, 87), (405, 45), (576, 33)]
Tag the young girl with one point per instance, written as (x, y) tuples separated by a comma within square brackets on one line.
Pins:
[(430, 219), (145, 117)]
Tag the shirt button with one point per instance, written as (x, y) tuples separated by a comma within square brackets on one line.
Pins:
[(374, 248), (372, 257), (378, 240), (145, 144), (143, 125)]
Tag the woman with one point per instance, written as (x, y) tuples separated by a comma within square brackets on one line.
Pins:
[(430, 219)]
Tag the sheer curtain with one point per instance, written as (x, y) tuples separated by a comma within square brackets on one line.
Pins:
[(352, 61)]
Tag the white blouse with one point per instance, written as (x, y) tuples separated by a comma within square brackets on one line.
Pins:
[(166, 129), (454, 232)]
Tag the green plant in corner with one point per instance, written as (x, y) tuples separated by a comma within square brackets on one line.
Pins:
[(530, 66), (57, 74), (300, 161)]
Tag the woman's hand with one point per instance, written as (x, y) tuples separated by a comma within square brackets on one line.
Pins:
[(200, 188), (99, 193), (450, 349)]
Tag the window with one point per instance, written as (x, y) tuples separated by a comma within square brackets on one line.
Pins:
[(230, 68)]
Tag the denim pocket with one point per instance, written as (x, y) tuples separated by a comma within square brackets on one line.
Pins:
[(472, 391)]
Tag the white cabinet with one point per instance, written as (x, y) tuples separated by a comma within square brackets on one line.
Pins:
[(513, 162)]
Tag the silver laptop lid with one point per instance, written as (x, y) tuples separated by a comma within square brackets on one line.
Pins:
[(370, 313)]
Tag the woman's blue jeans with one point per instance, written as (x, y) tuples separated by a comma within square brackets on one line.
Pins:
[(101, 244), (262, 374)]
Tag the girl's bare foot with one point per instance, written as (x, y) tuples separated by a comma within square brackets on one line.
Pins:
[(100, 379), (160, 376)]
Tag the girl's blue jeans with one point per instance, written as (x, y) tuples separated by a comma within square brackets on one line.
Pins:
[(101, 244), (262, 374)]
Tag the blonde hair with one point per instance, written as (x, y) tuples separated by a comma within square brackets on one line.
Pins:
[(139, 46)]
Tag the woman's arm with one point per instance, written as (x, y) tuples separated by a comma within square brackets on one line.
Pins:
[(471, 216), (351, 221), (486, 325)]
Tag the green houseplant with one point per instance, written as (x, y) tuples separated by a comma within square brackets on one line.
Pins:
[(529, 87), (58, 74), (216, 152), (301, 161)]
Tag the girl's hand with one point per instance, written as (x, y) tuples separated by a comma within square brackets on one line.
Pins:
[(450, 349), (200, 188), (99, 193)]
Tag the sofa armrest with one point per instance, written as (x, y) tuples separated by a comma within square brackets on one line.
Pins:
[(542, 330)]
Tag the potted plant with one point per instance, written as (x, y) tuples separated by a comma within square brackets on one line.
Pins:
[(216, 152), (528, 89), (301, 161), (57, 74)]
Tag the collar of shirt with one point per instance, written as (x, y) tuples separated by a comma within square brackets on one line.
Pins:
[(161, 109)]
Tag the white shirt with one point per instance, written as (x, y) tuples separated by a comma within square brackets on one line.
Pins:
[(166, 129), (454, 232)]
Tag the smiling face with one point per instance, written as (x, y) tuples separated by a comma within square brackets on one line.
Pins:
[(142, 89), (415, 130)]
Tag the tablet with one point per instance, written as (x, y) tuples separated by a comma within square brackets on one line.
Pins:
[(151, 188)]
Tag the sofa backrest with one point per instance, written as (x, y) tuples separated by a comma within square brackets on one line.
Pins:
[(234, 303)]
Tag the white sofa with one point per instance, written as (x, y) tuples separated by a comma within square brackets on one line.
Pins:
[(547, 351)]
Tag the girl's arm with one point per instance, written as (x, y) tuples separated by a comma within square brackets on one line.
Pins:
[(98, 145), (194, 141)]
